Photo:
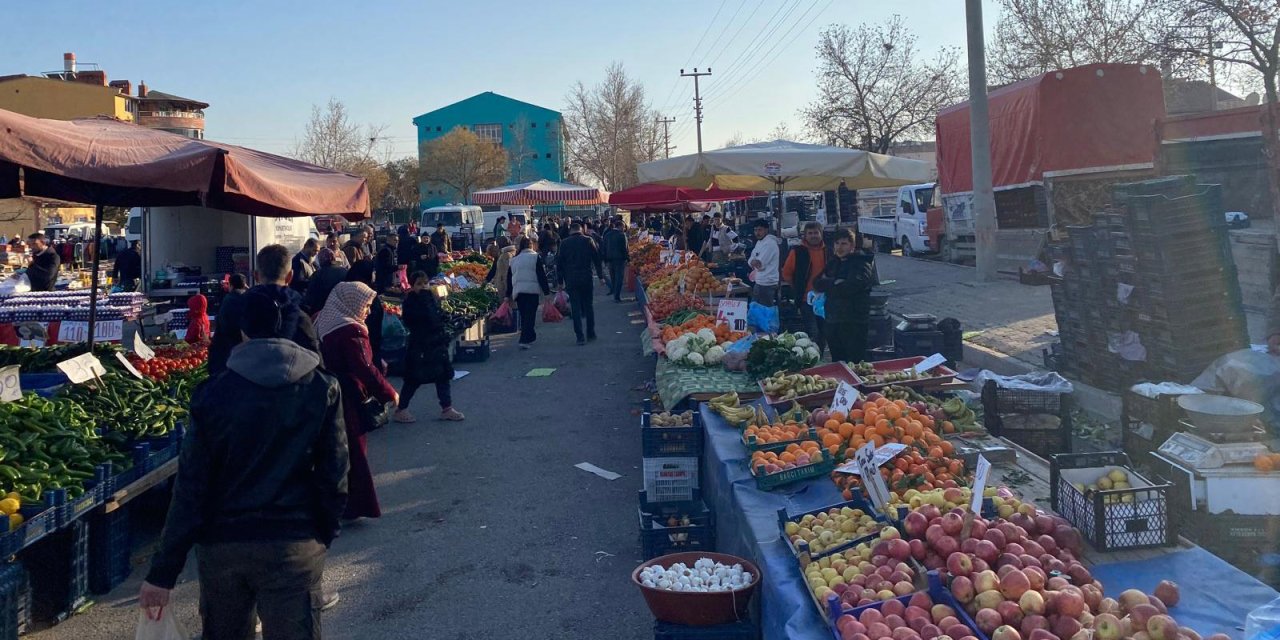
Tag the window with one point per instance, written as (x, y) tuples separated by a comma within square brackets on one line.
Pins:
[(548, 155), (490, 132), (437, 128), (533, 125)]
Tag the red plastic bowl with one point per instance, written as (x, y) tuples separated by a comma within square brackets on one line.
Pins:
[(698, 609)]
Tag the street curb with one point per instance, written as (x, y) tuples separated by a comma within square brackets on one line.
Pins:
[(1101, 404)]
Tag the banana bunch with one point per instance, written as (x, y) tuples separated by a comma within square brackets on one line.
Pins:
[(734, 413), (959, 413), (795, 414), (788, 386)]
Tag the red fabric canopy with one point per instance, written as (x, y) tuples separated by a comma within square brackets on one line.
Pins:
[(663, 197), (109, 162), (1098, 116)]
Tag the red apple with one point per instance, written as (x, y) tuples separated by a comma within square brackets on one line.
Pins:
[(1044, 524), (1047, 543), (932, 533), (1065, 627), (952, 524), (1033, 549), (1162, 627), (988, 620), (988, 599), (1032, 602), (929, 512), (920, 601), (1131, 598), (1015, 548), (918, 549), (893, 608), (1079, 575), (1029, 560), (985, 581), (941, 611), (903, 588), (962, 589), (1035, 576), (1107, 627), (978, 529), (958, 564), (960, 630), (1005, 569), (899, 549), (1042, 634), (986, 550), (1055, 583), (969, 545), (946, 545), (1032, 622), (1014, 584), (1008, 559), (1010, 612), (996, 536), (915, 524), (946, 622), (980, 565), (894, 620), (1189, 633), (1092, 596), (1158, 604), (930, 631), (1141, 613), (1069, 602), (918, 621), (879, 630)]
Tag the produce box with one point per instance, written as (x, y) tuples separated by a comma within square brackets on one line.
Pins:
[(39, 520), (802, 550), (754, 444), (110, 546), (837, 371), (679, 441), (58, 568), (1134, 516), (675, 527), (15, 600), (472, 350), (813, 470), (670, 479), (1039, 421), (1146, 423), (937, 593), (934, 377)]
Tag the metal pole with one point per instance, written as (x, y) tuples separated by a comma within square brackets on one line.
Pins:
[(666, 134), (93, 286), (1213, 78), (984, 201), (697, 99)]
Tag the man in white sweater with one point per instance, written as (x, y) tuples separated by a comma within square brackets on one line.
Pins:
[(764, 265)]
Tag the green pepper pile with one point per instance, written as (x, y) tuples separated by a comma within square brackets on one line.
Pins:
[(50, 444)]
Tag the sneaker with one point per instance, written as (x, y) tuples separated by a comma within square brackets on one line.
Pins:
[(404, 416), (330, 600), (525, 346), (591, 337), (452, 415)]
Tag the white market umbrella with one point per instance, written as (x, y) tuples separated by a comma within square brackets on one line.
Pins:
[(782, 164)]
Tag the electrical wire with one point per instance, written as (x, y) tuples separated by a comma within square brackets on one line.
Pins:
[(666, 104), (765, 65)]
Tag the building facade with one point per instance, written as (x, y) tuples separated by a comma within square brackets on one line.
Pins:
[(58, 100), (167, 112), (532, 136)]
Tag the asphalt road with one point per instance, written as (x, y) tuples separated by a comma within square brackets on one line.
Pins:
[(488, 530)]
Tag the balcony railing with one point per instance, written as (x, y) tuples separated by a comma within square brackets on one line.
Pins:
[(171, 114)]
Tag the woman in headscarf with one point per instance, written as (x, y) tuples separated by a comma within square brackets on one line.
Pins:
[(344, 344), (197, 319)]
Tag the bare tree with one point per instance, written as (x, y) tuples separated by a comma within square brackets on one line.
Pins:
[(463, 162), (874, 90), (1037, 36), (332, 139), (736, 140), (610, 130), (1248, 35), (402, 184)]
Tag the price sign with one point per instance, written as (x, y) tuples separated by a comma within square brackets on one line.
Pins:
[(864, 459), (732, 313), (979, 483), (664, 255), (882, 455), (682, 284), (10, 385), (128, 365), (930, 362), (78, 331), (462, 282), (845, 396), (141, 348), (82, 368)]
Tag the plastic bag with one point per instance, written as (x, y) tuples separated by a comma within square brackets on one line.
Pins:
[(550, 313), (762, 318), (817, 302), (742, 345), (562, 302), (1050, 381), (1245, 374), (503, 314), (394, 334), (166, 628)]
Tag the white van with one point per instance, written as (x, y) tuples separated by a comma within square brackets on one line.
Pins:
[(454, 217)]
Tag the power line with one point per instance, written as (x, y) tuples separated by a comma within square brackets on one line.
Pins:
[(765, 65), (697, 99), (732, 19), (734, 37), (666, 104)]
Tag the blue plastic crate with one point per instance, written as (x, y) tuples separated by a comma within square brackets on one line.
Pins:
[(937, 592), (39, 520), (657, 538), (741, 630), (15, 600), (110, 546), (92, 497), (58, 568), (858, 502)]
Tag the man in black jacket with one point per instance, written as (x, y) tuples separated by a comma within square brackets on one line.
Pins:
[(127, 270), (578, 254), (386, 263), (615, 253), (331, 269), (273, 274), (43, 269), (262, 483), (304, 265), (847, 280)]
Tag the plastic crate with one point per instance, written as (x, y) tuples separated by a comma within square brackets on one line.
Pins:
[(1165, 185), (475, 351), (657, 538), (670, 479), (753, 445), (1104, 519), (917, 343), (15, 600), (58, 568), (802, 551), (670, 441), (110, 546), (74, 509), (39, 520), (1042, 442), (937, 593), (774, 480), (1239, 539), (740, 630), (1146, 423)]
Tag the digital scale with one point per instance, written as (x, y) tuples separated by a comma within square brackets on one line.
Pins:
[(1199, 453), (1215, 473)]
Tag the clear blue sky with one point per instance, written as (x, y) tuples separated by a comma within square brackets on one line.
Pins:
[(263, 64)]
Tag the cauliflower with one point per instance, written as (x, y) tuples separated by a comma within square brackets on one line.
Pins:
[(678, 343), (694, 359), (714, 355), (708, 335), (676, 354), (812, 352), (804, 342), (799, 351), (800, 335)]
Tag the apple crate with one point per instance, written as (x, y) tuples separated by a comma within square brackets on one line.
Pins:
[(937, 592), (658, 537), (817, 469), (670, 441), (802, 552), (670, 479), (1110, 519)]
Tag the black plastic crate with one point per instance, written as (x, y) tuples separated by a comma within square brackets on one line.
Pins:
[(741, 630), (1146, 423), (658, 537), (1233, 534), (15, 600), (475, 351), (110, 546), (1183, 255), (1042, 442), (917, 343), (656, 442), (1115, 519), (58, 568), (1186, 202)]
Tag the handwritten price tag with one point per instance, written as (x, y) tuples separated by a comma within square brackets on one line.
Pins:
[(82, 368), (871, 480), (141, 348), (128, 365), (10, 384), (846, 396), (979, 483), (882, 455), (930, 362), (732, 313)]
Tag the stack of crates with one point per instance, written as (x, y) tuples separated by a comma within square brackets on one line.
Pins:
[(1084, 302), (672, 515)]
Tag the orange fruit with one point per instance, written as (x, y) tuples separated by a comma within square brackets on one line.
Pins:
[(908, 440), (831, 424), (856, 414), (947, 447), (935, 452), (893, 411), (838, 416), (948, 427), (1264, 464)]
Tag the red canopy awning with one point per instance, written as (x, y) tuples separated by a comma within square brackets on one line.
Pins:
[(103, 161), (661, 197)]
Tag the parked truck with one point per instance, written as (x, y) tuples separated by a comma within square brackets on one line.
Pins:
[(897, 218), (1059, 141)]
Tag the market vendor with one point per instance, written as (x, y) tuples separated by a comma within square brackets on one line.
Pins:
[(800, 270), (43, 268), (127, 270), (847, 281)]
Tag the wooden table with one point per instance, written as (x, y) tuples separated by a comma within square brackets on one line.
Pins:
[(140, 486)]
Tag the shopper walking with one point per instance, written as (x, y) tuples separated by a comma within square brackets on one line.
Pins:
[(331, 268), (127, 270), (500, 273), (578, 255), (764, 265), (42, 271), (427, 357), (344, 342), (262, 481), (847, 280), (362, 272), (615, 253), (304, 265), (526, 284), (386, 263), (802, 267)]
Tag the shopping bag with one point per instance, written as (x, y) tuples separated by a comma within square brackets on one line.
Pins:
[(166, 628), (503, 314), (817, 302), (762, 318), (550, 313), (562, 302)]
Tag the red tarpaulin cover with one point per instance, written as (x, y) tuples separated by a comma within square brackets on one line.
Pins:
[(663, 197), (1231, 123), (1091, 117), (106, 161)]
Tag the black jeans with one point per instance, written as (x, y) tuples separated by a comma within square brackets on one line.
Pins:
[(616, 270), (581, 307), (527, 304), (813, 325), (848, 341), (444, 392), (281, 580)]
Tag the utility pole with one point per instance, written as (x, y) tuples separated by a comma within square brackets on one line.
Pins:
[(984, 200), (666, 134), (697, 99)]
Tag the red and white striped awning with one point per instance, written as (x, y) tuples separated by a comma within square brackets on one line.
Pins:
[(540, 192)]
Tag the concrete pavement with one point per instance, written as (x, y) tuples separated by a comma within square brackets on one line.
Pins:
[(488, 530)]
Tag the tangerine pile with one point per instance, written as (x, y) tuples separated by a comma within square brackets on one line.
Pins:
[(795, 455), (880, 421), (775, 433)]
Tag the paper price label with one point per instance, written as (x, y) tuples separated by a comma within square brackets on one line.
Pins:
[(78, 331), (10, 384), (462, 282), (979, 483), (128, 365), (141, 348), (930, 362), (846, 396), (882, 455), (82, 368), (864, 459), (732, 313)]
